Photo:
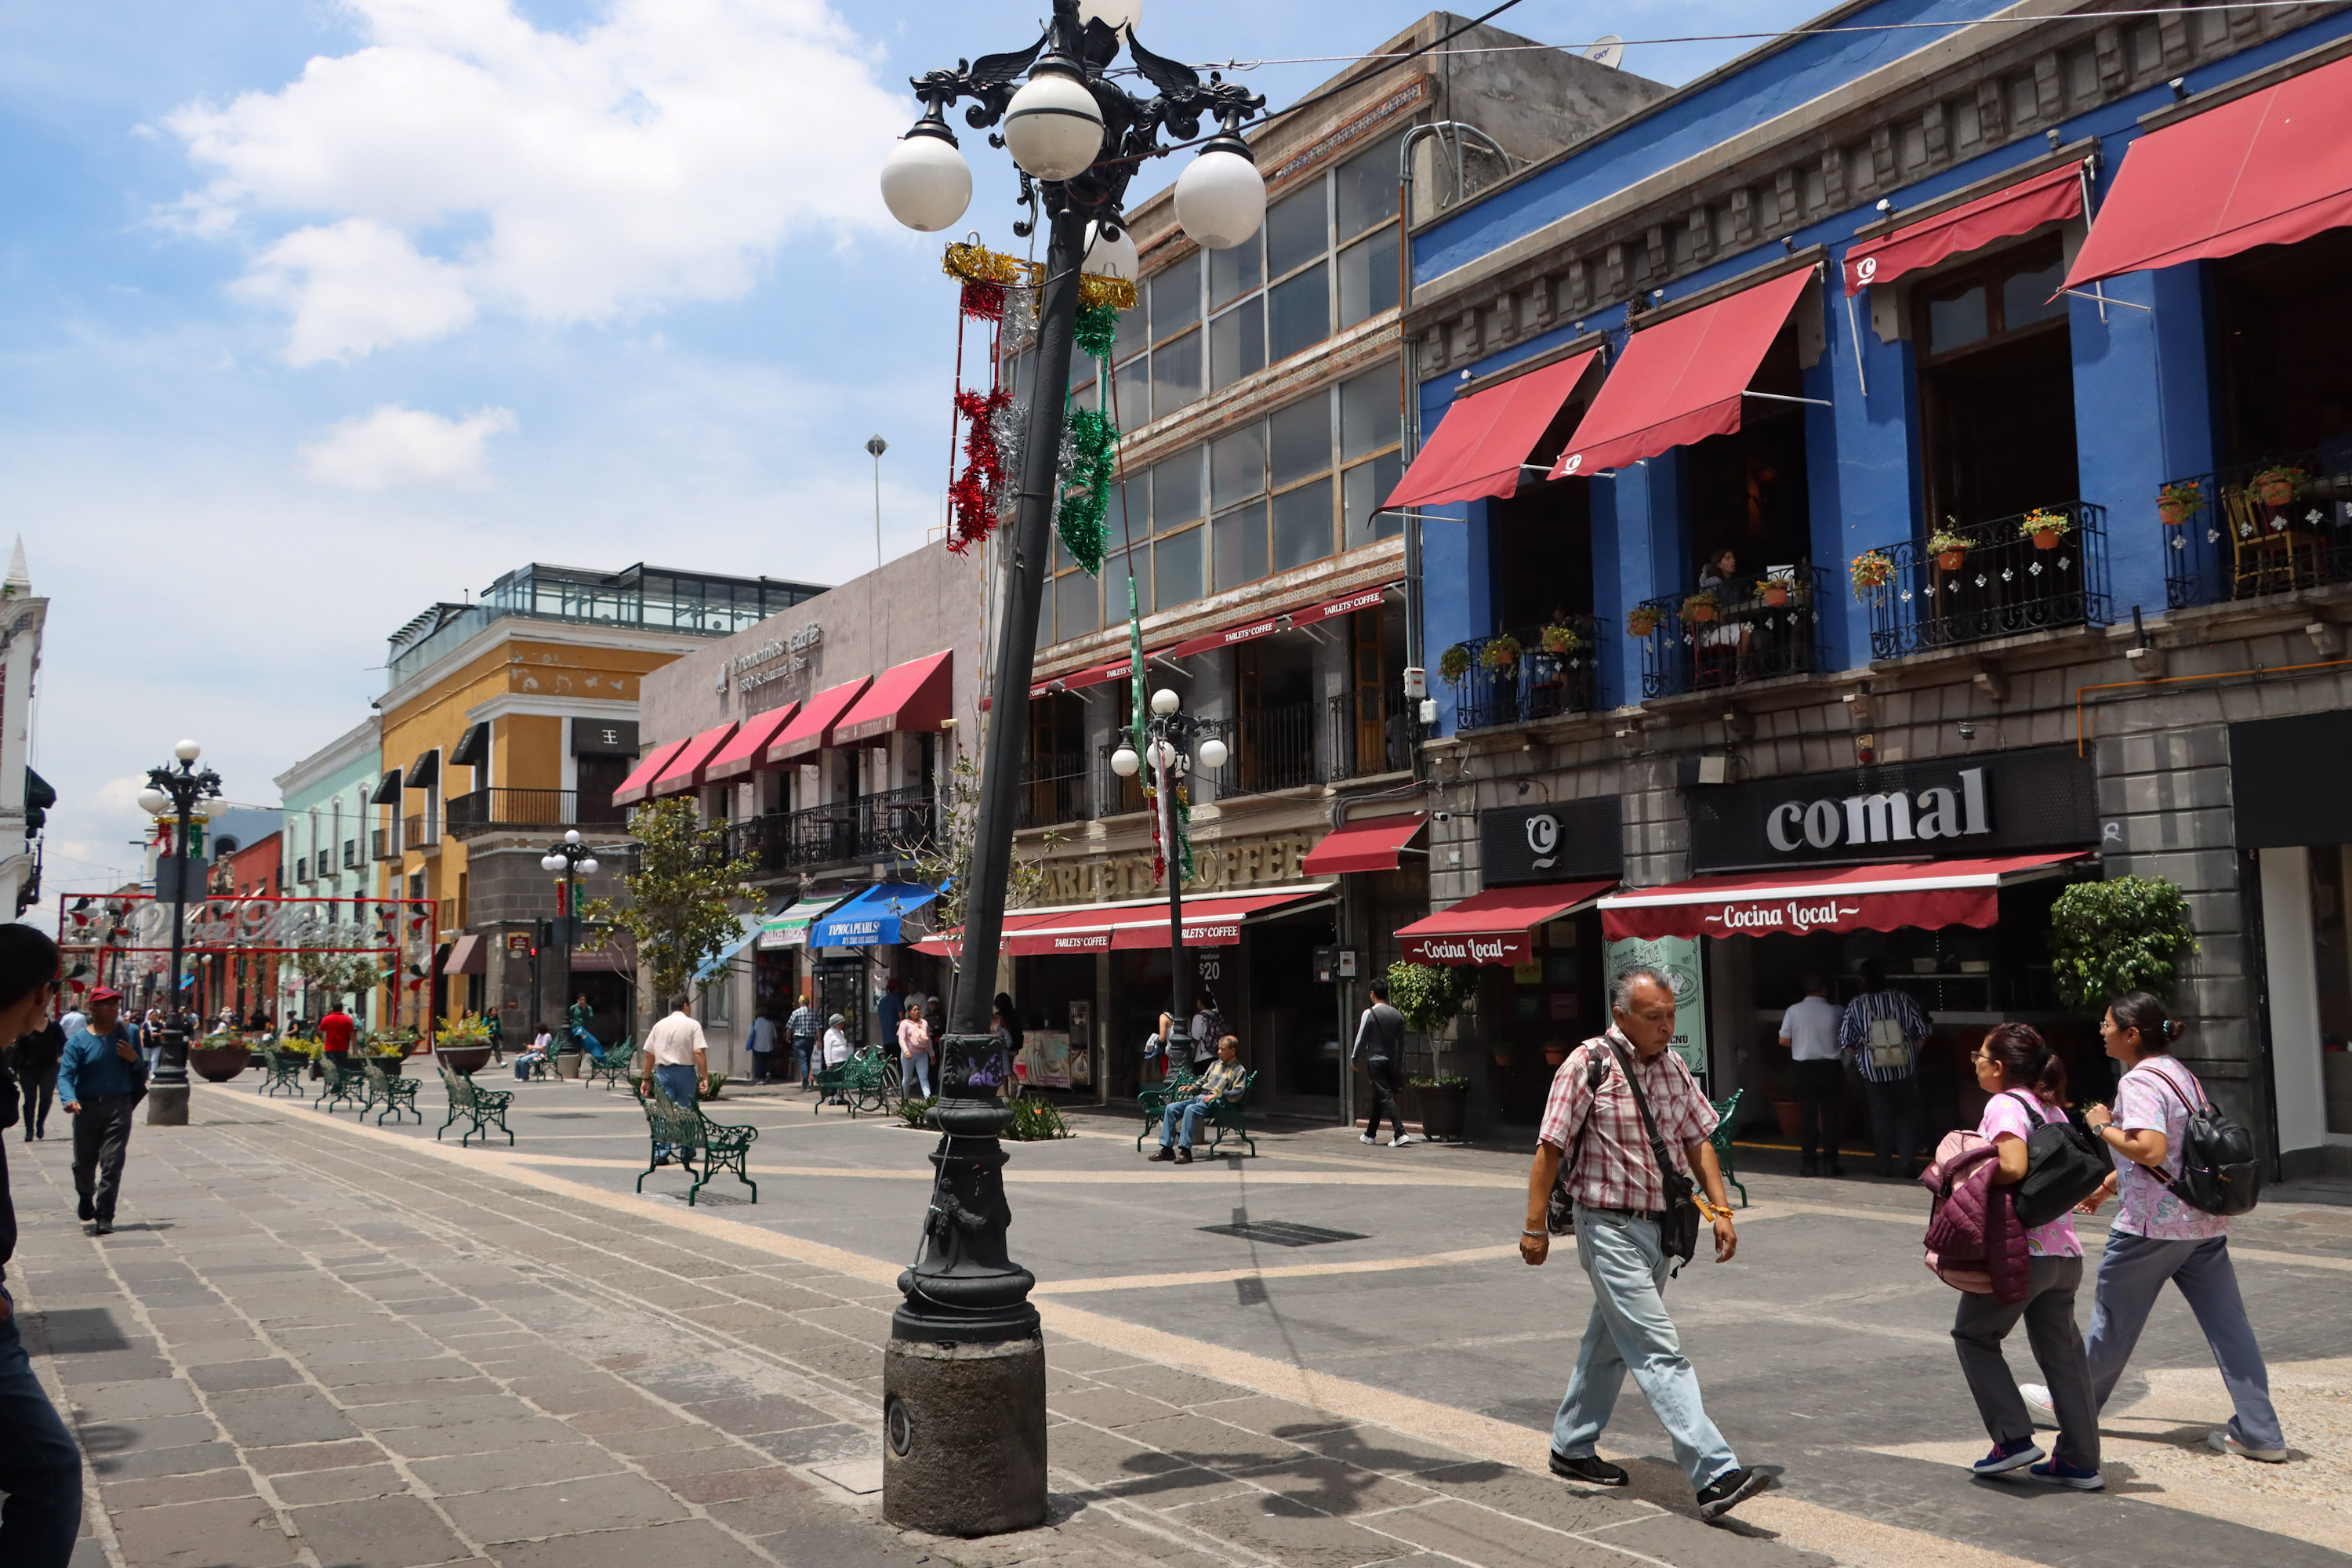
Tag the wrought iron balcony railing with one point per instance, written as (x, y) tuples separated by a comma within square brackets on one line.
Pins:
[(1536, 672), (1053, 791), (2258, 530), (874, 827), (383, 846), (2005, 583), (1754, 630), (1372, 735), (498, 807), (422, 831), (1271, 748)]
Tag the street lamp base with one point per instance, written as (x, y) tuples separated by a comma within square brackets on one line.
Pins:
[(963, 1430), (167, 1105)]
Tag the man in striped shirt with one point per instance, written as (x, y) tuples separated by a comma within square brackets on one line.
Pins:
[(1881, 1030), (1593, 1119)]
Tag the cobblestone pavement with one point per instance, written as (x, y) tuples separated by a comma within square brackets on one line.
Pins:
[(320, 1343)]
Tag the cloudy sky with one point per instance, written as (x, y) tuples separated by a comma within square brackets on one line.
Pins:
[(314, 312)]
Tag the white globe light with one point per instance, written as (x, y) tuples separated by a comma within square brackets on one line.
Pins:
[(187, 751), (1163, 756), (1164, 701), (1124, 762), (1212, 753), (1221, 198), (1111, 258), (551, 862), (1113, 14), (154, 802), (216, 806), (1053, 127), (926, 183), (571, 835), (588, 866)]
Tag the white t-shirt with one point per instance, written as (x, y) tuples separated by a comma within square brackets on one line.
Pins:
[(837, 1047), (1811, 1028), (672, 1042)]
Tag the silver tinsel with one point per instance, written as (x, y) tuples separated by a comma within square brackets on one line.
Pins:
[(1012, 427)]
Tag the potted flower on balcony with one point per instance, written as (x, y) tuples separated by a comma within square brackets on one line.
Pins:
[(1453, 663), (1872, 570), (1948, 546), (2277, 487), (1561, 639), (1642, 620), (2045, 528), (1501, 653), (2178, 501), (1773, 590), (1700, 607)]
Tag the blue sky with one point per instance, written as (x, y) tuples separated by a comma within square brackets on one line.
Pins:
[(313, 311)]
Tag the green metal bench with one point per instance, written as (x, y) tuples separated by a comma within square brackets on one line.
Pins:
[(684, 1129), (611, 1064), (1228, 1116), (863, 1083), (483, 1108), (345, 1084), (282, 1070), (387, 1087), (1154, 1100), (1724, 1112)]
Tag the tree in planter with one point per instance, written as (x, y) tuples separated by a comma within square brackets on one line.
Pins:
[(2126, 935), (682, 905), (1431, 996)]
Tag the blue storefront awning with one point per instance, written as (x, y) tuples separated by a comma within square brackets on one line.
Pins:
[(747, 931), (874, 918)]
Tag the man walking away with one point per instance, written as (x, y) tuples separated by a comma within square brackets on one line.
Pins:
[(101, 1080), (681, 1061), (40, 1468), (1881, 1030), (1380, 1046), (763, 1044), (888, 1008), (803, 1026), (335, 1032), (1208, 1028), (1619, 1200), (37, 1057), (1810, 1029)]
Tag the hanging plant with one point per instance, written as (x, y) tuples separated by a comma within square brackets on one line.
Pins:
[(2045, 528), (2278, 486), (1872, 569), (1773, 590), (1948, 546), (1453, 663), (1700, 607), (2178, 501), (1501, 653), (1561, 639), (1642, 620)]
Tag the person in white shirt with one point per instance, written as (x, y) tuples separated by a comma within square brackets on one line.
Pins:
[(680, 1060), (763, 1045), (836, 1048), (1809, 1030)]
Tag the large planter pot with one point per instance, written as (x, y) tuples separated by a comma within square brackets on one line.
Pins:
[(1776, 595), (1441, 1110), (1951, 559), (567, 1064), (218, 1064), (1784, 1112), (2045, 539), (465, 1060)]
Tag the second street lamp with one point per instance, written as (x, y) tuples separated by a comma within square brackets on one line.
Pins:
[(574, 859), (178, 793), (1174, 740), (964, 1376)]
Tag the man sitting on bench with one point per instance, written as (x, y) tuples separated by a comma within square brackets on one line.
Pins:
[(1180, 1122)]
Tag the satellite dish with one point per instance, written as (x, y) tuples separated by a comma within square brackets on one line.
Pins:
[(1606, 51)]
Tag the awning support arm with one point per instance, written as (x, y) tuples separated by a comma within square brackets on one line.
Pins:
[(1784, 397)]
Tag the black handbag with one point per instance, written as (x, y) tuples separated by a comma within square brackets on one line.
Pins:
[(1678, 1229), (2064, 1165), (1559, 1208)]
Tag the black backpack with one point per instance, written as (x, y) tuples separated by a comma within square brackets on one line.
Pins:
[(2219, 1173), (2064, 1165)]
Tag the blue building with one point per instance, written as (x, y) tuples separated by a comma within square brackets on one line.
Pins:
[(1898, 434)]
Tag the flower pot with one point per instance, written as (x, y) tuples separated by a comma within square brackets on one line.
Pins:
[(464, 1060), (1784, 1112), (1701, 614), (1555, 1055), (1441, 1109), (218, 1064), (2045, 539), (2277, 492), (1777, 595), (2172, 513), (1951, 559)]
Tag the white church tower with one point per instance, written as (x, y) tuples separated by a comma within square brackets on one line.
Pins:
[(22, 616)]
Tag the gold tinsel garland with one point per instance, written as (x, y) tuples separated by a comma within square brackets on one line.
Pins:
[(977, 264)]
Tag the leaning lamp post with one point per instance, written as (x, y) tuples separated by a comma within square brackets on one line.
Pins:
[(574, 859), (180, 793), (1175, 740), (964, 1376)]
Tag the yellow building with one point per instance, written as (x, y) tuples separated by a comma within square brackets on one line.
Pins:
[(507, 720)]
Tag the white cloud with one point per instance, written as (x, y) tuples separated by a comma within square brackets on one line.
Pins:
[(396, 446), (466, 160)]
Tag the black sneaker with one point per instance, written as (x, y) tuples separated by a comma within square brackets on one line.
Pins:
[(1728, 1490), (103, 1227), (1592, 1470), (86, 1210)]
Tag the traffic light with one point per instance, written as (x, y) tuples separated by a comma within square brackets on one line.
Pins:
[(40, 796)]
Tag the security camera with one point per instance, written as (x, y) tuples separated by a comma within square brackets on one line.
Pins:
[(1968, 731), (1440, 816)]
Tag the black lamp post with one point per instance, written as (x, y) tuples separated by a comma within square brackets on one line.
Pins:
[(575, 860), (964, 1378), (176, 792), (1173, 741)]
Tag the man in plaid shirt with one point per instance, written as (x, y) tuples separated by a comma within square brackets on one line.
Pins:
[(1619, 1202), (1191, 1106)]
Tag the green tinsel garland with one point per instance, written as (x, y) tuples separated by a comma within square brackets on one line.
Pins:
[(1086, 493), (1098, 330)]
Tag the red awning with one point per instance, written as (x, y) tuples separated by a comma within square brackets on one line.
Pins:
[(2270, 168), (1682, 379), (1210, 921), (1375, 844), (468, 955), (2007, 213), (741, 754), (1926, 894), (1495, 926), (811, 728), (1481, 441), (1241, 632), (916, 695), (684, 769), (634, 788)]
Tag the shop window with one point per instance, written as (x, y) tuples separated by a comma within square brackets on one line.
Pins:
[(1996, 387), (1746, 491)]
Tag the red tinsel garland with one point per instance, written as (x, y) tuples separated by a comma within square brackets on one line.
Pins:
[(973, 498), (984, 299)]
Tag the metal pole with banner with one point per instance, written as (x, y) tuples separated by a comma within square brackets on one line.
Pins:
[(1678, 958)]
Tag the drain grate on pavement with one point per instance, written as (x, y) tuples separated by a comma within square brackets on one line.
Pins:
[(1281, 1232)]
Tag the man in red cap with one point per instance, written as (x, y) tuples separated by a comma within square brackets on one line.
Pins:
[(100, 1082)]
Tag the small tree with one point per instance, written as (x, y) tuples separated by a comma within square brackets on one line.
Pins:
[(682, 905), (1431, 996), (943, 859), (2128, 934)]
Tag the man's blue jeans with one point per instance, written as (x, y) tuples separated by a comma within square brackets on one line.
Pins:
[(2132, 1274), (1180, 1123), (678, 1082), (1630, 1331), (804, 1048), (40, 1468)]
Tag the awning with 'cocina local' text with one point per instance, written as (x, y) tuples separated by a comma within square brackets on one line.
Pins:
[(1924, 894), (1496, 926)]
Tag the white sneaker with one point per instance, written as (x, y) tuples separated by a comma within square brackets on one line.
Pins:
[(2037, 1404), (2227, 1443), (1368, 1138), (1402, 1139)]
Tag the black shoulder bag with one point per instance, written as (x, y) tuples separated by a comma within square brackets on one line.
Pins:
[(2219, 1171), (1559, 1208), (1678, 1228), (2064, 1165)]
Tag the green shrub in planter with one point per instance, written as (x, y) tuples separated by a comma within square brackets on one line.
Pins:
[(915, 1112), (2126, 935), (1035, 1120), (1430, 995)]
